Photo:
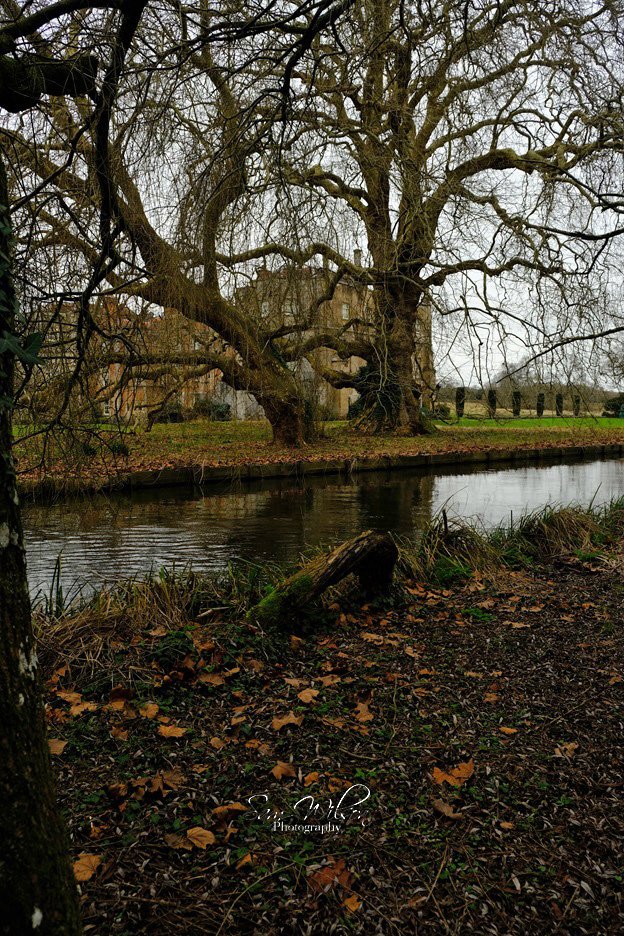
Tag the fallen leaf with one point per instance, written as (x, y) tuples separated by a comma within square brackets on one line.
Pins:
[(121, 734), (311, 778), (308, 695), (212, 679), (506, 825), (255, 745), (352, 903), (333, 873), (200, 837), (171, 731), (491, 697), (174, 840), (86, 866), (330, 680), (508, 731), (280, 722), (446, 809), (283, 769), (567, 749), (56, 746), (149, 710), (217, 743), (457, 776), (245, 860), (228, 808), (69, 696), (363, 713)]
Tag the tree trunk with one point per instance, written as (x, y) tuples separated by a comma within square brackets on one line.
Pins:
[(291, 423), (391, 398), (372, 556), (37, 889)]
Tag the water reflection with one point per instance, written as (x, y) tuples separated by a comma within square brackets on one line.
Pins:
[(105, 538)]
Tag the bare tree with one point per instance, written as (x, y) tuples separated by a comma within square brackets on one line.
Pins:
[(476, 148), (184, 153)]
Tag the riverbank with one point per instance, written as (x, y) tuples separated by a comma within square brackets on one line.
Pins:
[(480, 705), (201, 453)]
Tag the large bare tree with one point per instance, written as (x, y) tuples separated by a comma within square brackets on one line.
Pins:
[(476, 148)]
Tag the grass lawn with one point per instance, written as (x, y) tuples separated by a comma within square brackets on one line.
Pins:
[(200, 442)]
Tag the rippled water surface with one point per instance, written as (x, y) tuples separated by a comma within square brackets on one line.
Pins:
[(103, 539)]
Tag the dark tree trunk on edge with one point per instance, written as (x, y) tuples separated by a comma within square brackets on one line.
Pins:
[(540, 404), (37, 889)]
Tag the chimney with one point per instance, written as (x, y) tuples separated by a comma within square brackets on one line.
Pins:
[(357, 257)]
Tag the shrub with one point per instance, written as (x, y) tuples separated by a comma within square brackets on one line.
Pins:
[(118, 447), (216, 410)]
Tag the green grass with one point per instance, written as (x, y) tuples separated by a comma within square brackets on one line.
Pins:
[(545, 422), (71, 462)]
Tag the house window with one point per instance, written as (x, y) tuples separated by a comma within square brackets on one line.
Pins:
[(289, 311), (346, 311), (264, 309), (106, 408)]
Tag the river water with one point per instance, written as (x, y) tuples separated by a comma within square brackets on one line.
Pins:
[(103, 539)]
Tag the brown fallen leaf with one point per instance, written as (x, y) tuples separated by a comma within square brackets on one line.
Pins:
[(330, 680), (228, 808), (175, 840), (256, 745), (86, 866), (245, 860), (68, 696), (283, 769), (352, 903), (311, 778), (333, 873), (217, 743), (506, 825), (445, 809), (200, 837), (212, 679), (171, 731), (149, 710), (308, 695), (121, 734), (491, 697), (363, 713), (280, 721), (508, 731), (567, 749), (457, 776), (81, 707), (56, 746)]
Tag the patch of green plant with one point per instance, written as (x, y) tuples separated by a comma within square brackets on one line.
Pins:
[(448, 571)]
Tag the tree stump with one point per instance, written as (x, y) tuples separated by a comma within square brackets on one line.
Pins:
[(576, 406), (541, 397), (516, 402), (371, 556), (491, 403)]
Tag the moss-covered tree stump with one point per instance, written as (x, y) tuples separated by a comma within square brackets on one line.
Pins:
[(371, 556)]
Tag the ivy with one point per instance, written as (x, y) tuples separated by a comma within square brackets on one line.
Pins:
[(26, 351)]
